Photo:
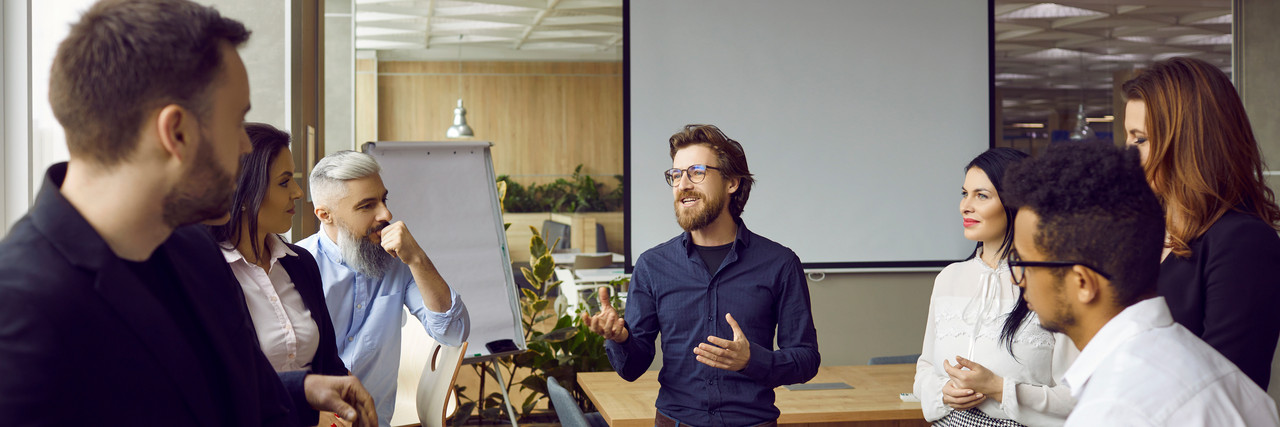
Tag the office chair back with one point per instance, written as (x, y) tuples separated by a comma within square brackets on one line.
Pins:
[(436, 399), (582, 262), (602, 244), (567, 408), (552, 230)]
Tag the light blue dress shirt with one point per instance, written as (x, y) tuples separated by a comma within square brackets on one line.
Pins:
[(367, 317)]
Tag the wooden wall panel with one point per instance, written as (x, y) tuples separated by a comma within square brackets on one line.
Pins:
[(598, 137), (408, 106), (523, 115), (544, 118), (366, 101)]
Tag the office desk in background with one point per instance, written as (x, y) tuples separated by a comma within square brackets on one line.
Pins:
[(873, 400)]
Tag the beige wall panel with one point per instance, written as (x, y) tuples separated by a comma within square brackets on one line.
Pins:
[(524, 117), (543, 118), (542, 68), (414, 108), (366, 100), (417, 67), (594, 125)]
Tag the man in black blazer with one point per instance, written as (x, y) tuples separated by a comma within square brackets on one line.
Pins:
[(112, 310)]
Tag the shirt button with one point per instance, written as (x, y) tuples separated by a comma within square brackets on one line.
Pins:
[(291, 355), (359, 306), (350, 339), (273, 298), (708, 318)]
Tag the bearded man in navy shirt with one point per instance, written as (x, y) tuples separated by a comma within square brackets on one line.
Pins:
[(716, 293)]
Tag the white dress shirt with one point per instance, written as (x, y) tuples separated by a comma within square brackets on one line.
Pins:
[(1142, 369), (287, 333), (967, 310)]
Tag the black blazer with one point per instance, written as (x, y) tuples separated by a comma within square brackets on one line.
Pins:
[(82, 340), (305, 274), (1226, 291)]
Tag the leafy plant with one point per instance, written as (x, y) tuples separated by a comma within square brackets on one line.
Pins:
[(579, 193), (561, 350)]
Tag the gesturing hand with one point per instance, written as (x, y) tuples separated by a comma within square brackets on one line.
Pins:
[(968, 374), (607, 323), (343, 395), (725, 354)]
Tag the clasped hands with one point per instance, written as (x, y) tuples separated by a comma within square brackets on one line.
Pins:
[(970, 384), (717, 352)]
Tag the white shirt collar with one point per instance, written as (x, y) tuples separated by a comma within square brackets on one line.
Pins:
[(275, 244), (1138, 318)]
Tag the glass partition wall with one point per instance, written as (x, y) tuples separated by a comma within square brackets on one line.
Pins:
[(1059, 66)]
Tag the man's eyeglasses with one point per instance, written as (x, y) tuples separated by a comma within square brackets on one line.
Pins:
[(697, 173), (1018, 267)]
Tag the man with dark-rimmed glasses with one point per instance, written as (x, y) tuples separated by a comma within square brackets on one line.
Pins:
[(717, 293), (1087, 242)]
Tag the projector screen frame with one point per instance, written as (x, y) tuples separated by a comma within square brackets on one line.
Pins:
[(820, 267)]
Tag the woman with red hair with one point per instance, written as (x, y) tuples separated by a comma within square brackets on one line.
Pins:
[(1220, 272)]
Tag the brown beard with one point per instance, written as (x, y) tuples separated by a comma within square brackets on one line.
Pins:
[(710, 211), (205, 193)]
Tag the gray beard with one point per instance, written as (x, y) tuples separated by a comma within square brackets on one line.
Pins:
[(362, 254)]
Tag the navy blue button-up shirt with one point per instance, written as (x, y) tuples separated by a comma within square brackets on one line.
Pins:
[(761, 283)]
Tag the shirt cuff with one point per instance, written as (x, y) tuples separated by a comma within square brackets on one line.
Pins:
[(760, 365), (1009, 399), (452, 327), (294, 383)]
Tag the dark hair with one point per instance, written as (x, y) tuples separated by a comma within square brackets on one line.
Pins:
[(1203, 159), (1095, 207), (732, 160), (995, 162), (125, 58), (251, 186)]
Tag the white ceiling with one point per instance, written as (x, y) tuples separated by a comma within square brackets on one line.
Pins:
[(1047, 55), (574, 30)]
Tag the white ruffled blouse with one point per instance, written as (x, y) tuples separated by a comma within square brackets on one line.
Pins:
[(967, 311)]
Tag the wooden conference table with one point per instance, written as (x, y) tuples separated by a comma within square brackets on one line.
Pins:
[(873, 400)]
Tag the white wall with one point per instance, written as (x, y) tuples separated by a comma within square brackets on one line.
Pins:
[(33, 139), (266, 55), (339, 77)]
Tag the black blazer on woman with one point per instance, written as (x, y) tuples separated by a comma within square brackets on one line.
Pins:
[(305, 274), (1226, 291)]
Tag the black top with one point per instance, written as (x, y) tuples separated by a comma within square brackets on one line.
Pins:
[(157, 275), (712, 256), (1226, 291)]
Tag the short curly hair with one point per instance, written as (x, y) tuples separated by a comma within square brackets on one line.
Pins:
[(1095, 207)]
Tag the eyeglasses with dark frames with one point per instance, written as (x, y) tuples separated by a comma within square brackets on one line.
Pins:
[(696, 173), (1018, 267)]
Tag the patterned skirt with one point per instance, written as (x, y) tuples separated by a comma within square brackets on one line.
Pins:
[(973, 417)]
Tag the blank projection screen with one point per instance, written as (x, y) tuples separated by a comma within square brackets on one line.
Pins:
[(857, 117)]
